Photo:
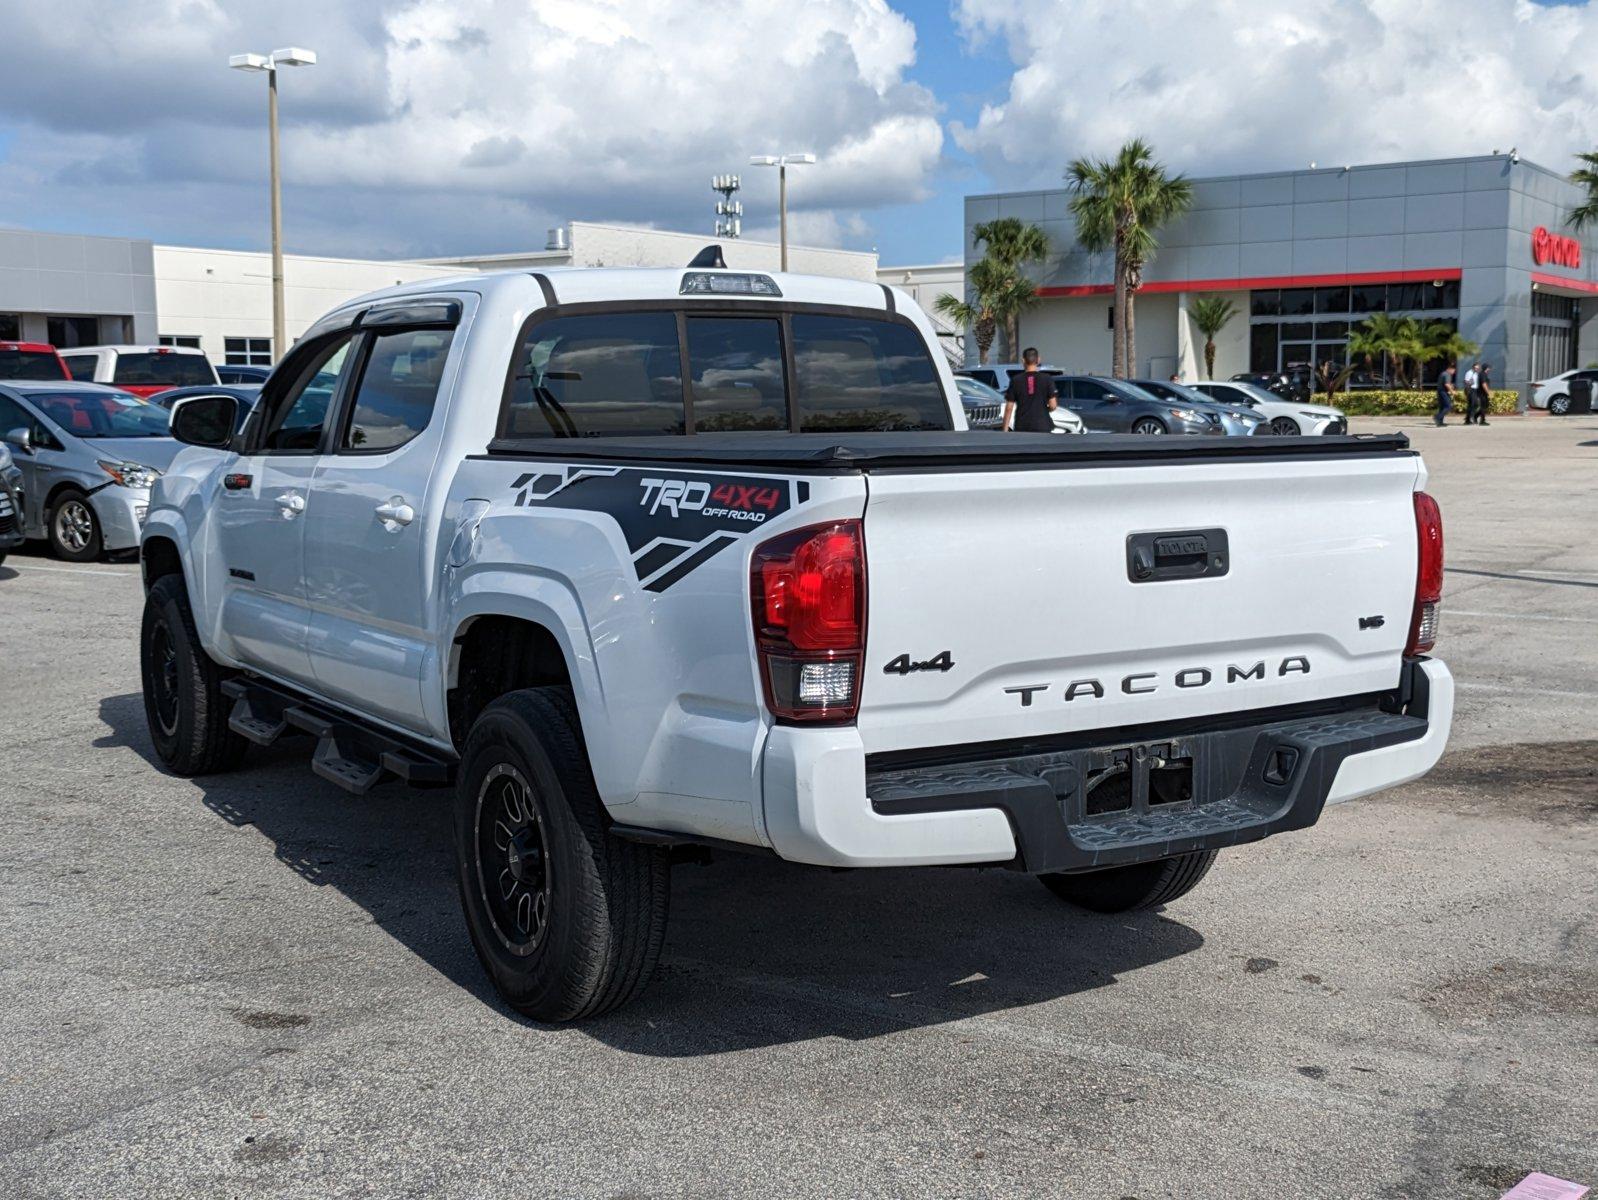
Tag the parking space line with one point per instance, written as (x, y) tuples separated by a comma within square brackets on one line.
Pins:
[(1471, 612), (73, 570), (1511, 690)]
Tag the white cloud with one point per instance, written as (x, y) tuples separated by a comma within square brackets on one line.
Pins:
[(454, 125), (1222, 85)]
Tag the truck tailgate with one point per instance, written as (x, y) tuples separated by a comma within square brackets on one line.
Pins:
[(1007, 604)]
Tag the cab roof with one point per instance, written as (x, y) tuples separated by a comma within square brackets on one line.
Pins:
[(589, 285)]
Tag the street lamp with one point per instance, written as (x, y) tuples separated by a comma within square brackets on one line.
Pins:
[(289, 56), (782, 162)]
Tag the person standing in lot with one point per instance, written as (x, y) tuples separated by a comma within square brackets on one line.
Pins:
[(1030, 398), (1484, 389), (1445, 393), (1467, 384)]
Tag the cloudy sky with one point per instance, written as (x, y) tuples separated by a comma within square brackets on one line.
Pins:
[(436, 127)]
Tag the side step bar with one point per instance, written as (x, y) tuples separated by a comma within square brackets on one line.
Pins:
[(355, 756)]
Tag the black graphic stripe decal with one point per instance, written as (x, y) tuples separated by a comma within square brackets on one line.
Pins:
[(661, 582), (672, 521)]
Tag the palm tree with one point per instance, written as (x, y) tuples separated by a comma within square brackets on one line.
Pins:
[(1382, 335), (1120, 202), (1010, 244), (1210, 315), (1438, 340), (988, 297), (1586, 176)]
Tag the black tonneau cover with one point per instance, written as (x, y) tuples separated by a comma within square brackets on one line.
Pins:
[(949, 451)]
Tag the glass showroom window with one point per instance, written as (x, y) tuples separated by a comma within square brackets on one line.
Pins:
[(1304, 331), (247, 351)]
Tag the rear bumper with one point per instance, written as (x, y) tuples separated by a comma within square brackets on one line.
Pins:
[(1086, 808)]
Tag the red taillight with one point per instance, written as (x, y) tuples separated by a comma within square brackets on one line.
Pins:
[(808, 600), (1428, 575)]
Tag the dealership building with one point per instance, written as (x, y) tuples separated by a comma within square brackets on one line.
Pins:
[(1480, 243), (69, 290)]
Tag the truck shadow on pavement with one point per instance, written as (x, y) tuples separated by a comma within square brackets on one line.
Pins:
[(758, 952)]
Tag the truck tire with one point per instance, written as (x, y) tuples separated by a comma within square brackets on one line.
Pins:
[(1142, 885), (183, 701), (566, 918), (72, 528)]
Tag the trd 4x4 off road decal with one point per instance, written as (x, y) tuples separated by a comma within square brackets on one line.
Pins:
[(672, 520)]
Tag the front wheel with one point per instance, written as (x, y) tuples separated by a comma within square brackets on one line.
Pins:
[(1148, 426), (566, 918), (74, 530), (183, 701), (1141, 885), (1285, 427), (1559, 405)]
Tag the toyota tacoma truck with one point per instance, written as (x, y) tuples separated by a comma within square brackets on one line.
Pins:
[(642, 563)]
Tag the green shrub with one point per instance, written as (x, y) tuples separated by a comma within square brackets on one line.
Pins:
[(1408, 403)]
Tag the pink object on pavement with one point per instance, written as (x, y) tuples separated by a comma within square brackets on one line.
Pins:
[(1538, 1186)]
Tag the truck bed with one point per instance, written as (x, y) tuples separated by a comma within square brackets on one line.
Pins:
[(833, 453)]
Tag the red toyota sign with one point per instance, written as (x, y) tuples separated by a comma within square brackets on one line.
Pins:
[(1554, 248)]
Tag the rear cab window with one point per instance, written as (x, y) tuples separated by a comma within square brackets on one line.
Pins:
[(29, 364), (674, 371), (137, 369), (80, 366)]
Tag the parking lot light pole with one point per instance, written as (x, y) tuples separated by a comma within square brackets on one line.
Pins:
[(289, 56), (782, 162)]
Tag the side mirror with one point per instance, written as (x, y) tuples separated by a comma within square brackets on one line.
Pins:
[(21, 439), (204, 421)]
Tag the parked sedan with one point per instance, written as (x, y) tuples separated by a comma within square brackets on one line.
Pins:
[(234, 373), (1236, 421), (1285, 417), (1115, 406), (1554, 393), (89, 455)]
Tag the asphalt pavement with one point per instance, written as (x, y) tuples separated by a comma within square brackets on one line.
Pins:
[(255, 985)]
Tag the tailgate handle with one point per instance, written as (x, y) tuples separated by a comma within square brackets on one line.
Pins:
[(1177, 554)]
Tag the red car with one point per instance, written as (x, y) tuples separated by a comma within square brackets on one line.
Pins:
[(31, 360)]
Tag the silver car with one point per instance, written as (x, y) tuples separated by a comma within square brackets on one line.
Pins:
[(88, 456)]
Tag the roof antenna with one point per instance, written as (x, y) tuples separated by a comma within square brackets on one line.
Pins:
[(710, 256)]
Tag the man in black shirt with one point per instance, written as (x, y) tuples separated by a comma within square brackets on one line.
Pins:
[(1030, 398)]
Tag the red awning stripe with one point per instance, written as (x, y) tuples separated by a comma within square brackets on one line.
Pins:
[(1256, 282)]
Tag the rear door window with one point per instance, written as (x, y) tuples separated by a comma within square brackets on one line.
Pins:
[(735, 369), (855, 374), (398, 389), (598, 375), (300, 414), (162, 370)]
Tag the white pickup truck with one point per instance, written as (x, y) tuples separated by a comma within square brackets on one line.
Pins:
[(640, 560)]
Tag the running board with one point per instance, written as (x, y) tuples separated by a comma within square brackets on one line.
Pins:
[(355, 756)]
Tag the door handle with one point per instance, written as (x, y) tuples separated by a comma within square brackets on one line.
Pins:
[(292, 504), (395, 513)]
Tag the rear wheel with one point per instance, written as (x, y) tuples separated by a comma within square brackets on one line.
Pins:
[(567, 919), (74, 530), (1147, 425), (1559, 405), (183, 701), (1285, 426), (1142, 885)]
